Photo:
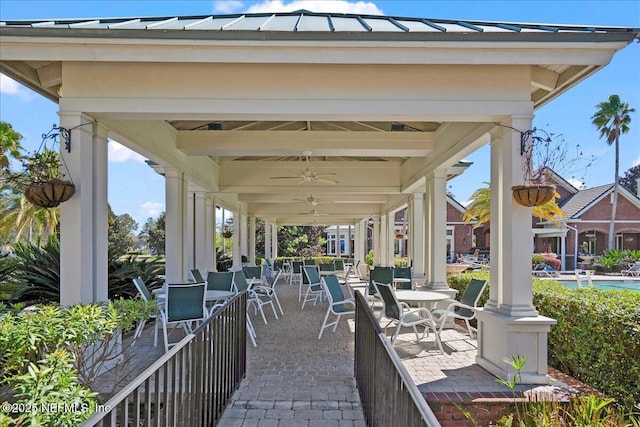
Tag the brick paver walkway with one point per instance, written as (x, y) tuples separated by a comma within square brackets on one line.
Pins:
[(294, 379)]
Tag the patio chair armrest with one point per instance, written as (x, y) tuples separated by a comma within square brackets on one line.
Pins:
[(344, 302), (419, 312), (458, 304), (404, 306), (262, 288)]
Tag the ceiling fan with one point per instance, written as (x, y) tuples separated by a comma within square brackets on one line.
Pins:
[(314, 213), (311, 200), (307, 175)]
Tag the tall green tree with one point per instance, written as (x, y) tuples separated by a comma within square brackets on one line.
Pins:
[(612, 119), (120, 237), (156, 234), (480, 208), (630, 179), (9, 144)]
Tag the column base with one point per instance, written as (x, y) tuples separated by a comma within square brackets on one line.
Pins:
[(500, 337)]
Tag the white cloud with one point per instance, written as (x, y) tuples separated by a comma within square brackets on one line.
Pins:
[(336, 6), (151, 209), (120, 153), (229, 6), (9, 86), (636, 162), (577, 183)]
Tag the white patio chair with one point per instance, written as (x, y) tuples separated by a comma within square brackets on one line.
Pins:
[(403, 315), (338, 304), (185, 306), (465, 309), (314, 290)]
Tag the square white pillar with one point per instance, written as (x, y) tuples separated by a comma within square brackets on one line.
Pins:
[(391, 238), (244, 232), (210, 239), (237, 238), (376, 241), (509, 324), (202, 229), (274, 241), (384, 238), (176, 225), (267, 239), (252, 240), (416, 233), (83, 218), (437, 237)]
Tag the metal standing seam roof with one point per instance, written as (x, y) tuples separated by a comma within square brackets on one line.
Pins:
[(304, 21)]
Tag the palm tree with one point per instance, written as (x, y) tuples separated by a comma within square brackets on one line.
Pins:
[(480, 208), (612, 119), (19, 217), (9, 144)]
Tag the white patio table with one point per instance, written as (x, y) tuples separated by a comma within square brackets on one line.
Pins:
[(425, 299)]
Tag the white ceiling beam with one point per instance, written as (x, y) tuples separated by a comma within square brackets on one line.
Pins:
[(323, 197), (320, 143), (156, 140), (344, 210), (543, 78)]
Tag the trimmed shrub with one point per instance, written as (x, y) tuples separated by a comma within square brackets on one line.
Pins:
[(597, 338)]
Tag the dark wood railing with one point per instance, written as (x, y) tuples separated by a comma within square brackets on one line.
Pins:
[(191, 384), (388, 394)]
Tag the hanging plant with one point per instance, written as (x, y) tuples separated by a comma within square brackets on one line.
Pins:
[(227, 232), (40, 180)]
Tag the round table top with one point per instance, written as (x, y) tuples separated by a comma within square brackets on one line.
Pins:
[(420, 296)]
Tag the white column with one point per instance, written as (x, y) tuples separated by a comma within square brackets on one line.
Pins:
[(274, 241), (428, 225), (391, 238), (252, 239), (267, 239), (83, 218), (244, 231), (437, 189), (202, 231), (338, 252), (384, 238), (176, 225), (376, 241), (190, 236), (359, 239), (510, 324), (210, 238), (237, 238), (214, 236), (416, 233)]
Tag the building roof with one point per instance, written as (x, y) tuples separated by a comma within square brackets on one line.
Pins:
[(306, 22), (575, 205)]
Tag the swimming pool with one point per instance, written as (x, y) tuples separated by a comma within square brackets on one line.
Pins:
[(618, 284)]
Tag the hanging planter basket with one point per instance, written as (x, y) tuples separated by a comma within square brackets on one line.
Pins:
[(49, 194), (227, 233), (533, 194), (399, 235)]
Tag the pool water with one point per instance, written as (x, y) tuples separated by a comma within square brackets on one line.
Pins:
[(616, 285)]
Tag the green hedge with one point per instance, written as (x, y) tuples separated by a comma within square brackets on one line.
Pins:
[(597, 338)]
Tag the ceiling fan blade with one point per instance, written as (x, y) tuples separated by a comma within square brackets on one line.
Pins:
[(326, 181), (326, 173), (284, 177)]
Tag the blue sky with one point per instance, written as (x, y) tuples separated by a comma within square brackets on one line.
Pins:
[(569, 115)]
